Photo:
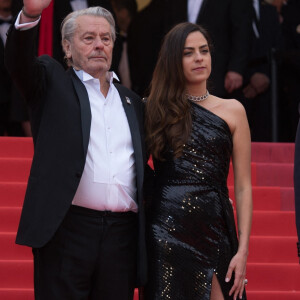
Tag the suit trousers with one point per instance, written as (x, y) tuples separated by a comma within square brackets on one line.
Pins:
[(91, 256)]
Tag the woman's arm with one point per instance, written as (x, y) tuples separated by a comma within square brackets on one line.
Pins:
[(241, 159)]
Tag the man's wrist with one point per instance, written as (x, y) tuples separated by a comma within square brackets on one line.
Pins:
[(29, 15)]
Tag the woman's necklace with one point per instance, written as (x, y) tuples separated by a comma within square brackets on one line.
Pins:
[(197, 98)]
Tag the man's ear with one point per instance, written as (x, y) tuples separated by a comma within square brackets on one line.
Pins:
[(67, 48)]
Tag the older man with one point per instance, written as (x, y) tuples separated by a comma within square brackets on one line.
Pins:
[(82, 213)]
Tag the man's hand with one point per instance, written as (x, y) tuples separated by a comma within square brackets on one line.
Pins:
[(233, 81), (260, 82), (249, 92), (33, 8)]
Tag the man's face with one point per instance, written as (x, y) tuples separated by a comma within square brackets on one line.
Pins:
[(91, 46)]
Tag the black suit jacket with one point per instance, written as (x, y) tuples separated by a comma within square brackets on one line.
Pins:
[(61, 119), (228, 23), (268, 27), (5, 82)]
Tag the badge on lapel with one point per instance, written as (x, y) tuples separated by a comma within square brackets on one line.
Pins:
[(128, 100)]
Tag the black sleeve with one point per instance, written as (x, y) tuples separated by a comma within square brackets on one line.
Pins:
[(240, 18)]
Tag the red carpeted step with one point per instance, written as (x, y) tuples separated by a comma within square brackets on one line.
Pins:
[(273, 269), (287, 196), (276, 174), (273, 277), (261, 152), (16, 274), (273, 152), (9, 218), (12, 193), (16, 294), (276, 223), (17, 169), (10, 251), (27, 294), (273, 295), (14, 169), (268, 174), (281, 277), (273, 249), (264, 198), (270, 197), (16, 147), (263, 249)]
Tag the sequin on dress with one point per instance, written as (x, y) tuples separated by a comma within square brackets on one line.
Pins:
[(191, 230)]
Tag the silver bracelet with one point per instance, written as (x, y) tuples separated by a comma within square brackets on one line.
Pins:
[(30, 16)]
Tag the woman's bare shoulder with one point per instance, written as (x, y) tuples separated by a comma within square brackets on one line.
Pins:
[(231, 106)]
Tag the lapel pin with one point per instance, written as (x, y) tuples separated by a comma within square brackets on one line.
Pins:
[(128, 100)]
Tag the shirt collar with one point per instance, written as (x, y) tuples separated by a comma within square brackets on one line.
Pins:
[(83, 76)]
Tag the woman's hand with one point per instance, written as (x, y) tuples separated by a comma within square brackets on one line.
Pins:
[(238, 266)]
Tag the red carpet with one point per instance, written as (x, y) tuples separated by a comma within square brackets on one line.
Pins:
[(273, 270)]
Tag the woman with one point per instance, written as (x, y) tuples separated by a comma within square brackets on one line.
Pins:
[(194, 252)]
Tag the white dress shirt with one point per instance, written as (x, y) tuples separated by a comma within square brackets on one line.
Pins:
[(194, 7), (4, 28), (108, 181), (257, 12)]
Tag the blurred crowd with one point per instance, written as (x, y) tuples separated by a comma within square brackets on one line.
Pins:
[(255, 58)]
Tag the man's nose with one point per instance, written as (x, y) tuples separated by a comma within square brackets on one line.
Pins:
[(99, 43)]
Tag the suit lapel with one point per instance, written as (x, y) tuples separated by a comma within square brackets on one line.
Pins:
[(178, 12), (85, 108), (202, 10), (135, 132)]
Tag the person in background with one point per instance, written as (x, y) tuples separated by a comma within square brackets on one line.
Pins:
[(192, 135), (125, 11), (256, 93), (83, 211), (229, 24), (289, 69)]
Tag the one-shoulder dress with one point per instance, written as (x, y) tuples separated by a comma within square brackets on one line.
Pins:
[(191, 230)]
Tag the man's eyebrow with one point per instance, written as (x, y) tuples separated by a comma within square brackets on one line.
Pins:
[(94, 33)]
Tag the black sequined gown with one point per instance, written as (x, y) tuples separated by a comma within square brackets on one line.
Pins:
[(191, 231)]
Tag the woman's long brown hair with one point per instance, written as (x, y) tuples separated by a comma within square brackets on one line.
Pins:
[(168, 118)]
